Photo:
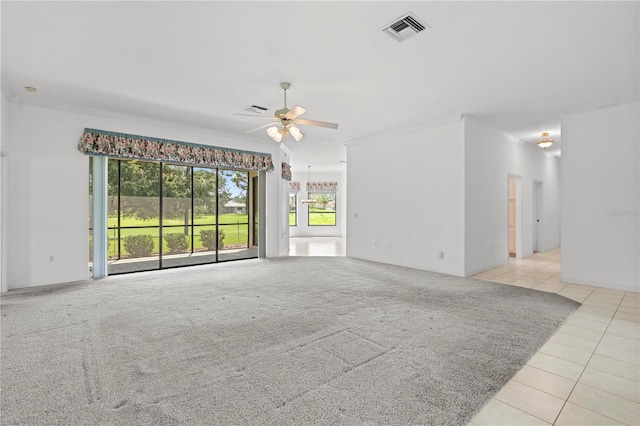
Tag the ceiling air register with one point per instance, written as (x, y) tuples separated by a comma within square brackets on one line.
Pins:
[(404, 27)]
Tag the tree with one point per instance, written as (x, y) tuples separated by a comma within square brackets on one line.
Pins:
[(140, 189), (322, 199), (204, 190), (241, 181)]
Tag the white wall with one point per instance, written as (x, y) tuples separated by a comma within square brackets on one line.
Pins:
[(445, 187), (490, 156), (47, 199), (600, 202), (285, 156), (406, 198), (302, 229), (4, 137)]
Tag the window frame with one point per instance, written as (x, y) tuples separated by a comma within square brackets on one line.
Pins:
[(164, 226), (335, 210), (295, 208)]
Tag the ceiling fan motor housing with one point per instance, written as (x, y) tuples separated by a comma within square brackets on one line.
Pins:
[(281, 112)]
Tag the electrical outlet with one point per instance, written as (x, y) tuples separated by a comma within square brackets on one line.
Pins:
[(52, 258), (439, 254)]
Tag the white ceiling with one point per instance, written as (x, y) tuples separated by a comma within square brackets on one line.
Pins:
[(514, 65)]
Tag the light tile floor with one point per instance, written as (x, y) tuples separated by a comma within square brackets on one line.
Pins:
[(317, 246), (588, 373)]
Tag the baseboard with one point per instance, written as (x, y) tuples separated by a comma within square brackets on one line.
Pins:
[(408, 265), (484, 269), (595, 283)]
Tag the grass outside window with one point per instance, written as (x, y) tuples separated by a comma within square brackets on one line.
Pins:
[(322, 212), (293, 209)]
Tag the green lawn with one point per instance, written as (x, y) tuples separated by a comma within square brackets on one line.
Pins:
[(227, 218), (319, 217), (233, 225)]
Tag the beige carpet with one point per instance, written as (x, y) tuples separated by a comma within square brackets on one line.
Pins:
[(279, 341)]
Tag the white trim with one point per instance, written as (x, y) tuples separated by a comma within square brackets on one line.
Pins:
[(435, 123), (165, 123), (100, 217)]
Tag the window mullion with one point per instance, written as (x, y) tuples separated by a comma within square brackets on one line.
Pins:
[(160, 214)]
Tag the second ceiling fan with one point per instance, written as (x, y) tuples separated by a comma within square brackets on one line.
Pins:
[(288, 118)]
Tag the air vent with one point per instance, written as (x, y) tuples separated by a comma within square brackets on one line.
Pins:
[(404, 27), (255, 108)]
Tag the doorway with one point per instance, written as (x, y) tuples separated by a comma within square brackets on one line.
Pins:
[(512, 215), (537, 216)]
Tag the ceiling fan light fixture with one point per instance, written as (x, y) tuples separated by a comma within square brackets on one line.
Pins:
[(272, 131), (545, 141), (286, 118), (275, 133), (296, 133)]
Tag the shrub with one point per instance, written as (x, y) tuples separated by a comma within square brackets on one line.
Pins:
[(177, 242), (138, 245), (208, 238)]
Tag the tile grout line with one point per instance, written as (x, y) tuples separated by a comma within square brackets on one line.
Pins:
[(565, 400), (590, 292), (587, 363)]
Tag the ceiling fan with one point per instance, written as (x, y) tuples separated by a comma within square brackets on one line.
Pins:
[(288, 118)]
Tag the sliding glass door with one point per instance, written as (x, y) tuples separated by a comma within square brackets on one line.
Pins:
[(134, 216), (165, 215)]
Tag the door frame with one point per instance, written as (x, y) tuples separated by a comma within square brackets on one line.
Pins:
[(519, 224)]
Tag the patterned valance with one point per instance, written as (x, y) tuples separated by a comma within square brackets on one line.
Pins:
[(294, 186), (286, 171), (322, 186), (121, 145)]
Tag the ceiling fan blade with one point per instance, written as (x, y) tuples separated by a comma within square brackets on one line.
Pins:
[(316, 123), (270, 117), (259, 127), (295, 112)]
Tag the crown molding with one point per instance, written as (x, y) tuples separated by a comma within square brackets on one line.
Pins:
[(593, 107), (407, 130), (174, 125)]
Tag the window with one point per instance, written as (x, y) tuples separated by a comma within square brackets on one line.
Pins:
[(293, 210), (323, 210), (233, 218), (165, 215)]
